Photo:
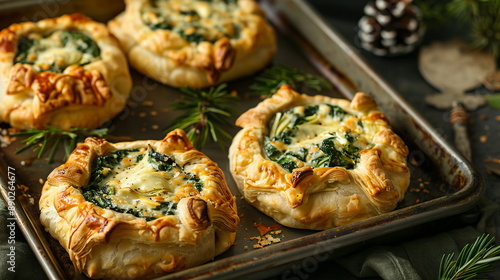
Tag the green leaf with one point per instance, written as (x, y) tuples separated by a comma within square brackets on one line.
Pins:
[(206, 114), (482, 19), (493, 100), (271, 79), (472, 260), (50, 138)]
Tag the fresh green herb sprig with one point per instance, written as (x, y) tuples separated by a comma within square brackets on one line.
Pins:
[(471, 261), (50, 139), (207, 114), (270, 80), (483, 17), (434, 13), (480, 17), (493, 100)]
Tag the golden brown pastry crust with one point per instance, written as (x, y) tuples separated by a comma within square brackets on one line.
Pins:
[(320, 198), (106, 244), (165, 56), (81, 96)]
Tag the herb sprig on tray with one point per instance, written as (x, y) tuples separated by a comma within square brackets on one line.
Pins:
[(270, 80), (479, 18), (50, 139), (207, 114), (471, 261)]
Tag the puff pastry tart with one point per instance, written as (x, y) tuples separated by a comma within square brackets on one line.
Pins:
[(62, 72), (316, 162), (139, 209), (195, 43)]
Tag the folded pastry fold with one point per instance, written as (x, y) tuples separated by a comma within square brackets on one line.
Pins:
[(316, 162), (139, 209), (195, 43), (62, 72)]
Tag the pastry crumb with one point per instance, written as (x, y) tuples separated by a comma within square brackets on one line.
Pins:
[(483, 138), (5, 137), (148, 103), (267, 235), (41, 181), (263, 229), (265, 240), (23, 188)]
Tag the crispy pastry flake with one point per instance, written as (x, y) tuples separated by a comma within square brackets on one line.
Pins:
[(139, 209), (317, 162), (195, 43), (62, 72)]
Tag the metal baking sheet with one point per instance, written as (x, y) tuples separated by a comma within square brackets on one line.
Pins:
[(309, 44)]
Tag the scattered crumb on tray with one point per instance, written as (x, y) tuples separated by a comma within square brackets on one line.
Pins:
[(422, 188), (148, 103), (267, 239), (267, 235), (6, 137), (28, 196), (23, 188), (263, 229), (483, 138)]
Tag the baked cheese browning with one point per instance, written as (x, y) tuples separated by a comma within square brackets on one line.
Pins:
[(196, 21), (316, 162), (195, 43), (62, 72), (320, 135), (139, 210), (141, 182), (56, 51)]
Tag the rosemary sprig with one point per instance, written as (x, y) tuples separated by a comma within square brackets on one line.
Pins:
[(51, 138), (483, 17), (270, 80), (435, 13), (207, 114), (471, 261)]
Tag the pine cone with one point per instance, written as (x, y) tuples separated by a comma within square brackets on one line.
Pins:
[(390, 27)]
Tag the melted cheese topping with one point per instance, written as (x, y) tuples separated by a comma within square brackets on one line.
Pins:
[(138, 187), (316, 136), (196, 21), (56, 51)]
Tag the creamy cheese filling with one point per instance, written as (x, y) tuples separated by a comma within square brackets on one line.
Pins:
[(196, 21), (141, 182), (56, 51), (316, 136)]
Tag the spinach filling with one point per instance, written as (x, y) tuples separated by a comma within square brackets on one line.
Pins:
[(73, 48), (192, 26), (331, 148), (101, 194)]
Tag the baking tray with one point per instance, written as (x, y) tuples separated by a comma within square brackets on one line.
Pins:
[(442, 184)]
